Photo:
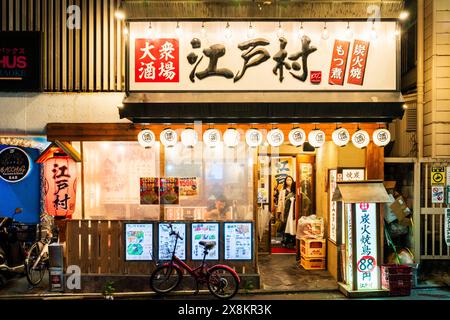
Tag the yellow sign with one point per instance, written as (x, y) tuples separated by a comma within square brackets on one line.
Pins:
[(438, 175)]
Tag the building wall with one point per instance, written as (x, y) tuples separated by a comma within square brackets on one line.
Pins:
[(437, 79)]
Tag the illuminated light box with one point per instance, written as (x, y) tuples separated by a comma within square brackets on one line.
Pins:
[(363, 242), (138, 241)]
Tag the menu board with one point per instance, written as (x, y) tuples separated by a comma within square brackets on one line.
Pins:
[(138, 242), (149, 191), (169, 191), (189, 187), (167, 242), (238, 241), (208, 232)]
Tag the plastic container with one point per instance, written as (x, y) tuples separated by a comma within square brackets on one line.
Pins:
[(397, 279), (313, 263), (56, 255), (312, 248)]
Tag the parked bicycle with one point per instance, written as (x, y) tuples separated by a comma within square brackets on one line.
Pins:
[(222, 281), (37, 260)]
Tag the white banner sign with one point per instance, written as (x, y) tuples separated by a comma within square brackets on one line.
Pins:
[(262, 57), (333, 205), (447, 226)]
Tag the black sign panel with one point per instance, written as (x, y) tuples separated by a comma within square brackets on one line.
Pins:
[(20, 61), (14, 164)]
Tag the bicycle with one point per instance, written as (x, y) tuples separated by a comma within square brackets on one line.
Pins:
[(37, 260), (222, 281)]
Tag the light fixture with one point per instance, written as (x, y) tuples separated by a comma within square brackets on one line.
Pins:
[(280, 31), (373, 32), (146, 138), (251, 31), (381, 137), (297, 137), (178, 30), (253, 137), (168, 137), (211, 138), (405, 106), (360, 139), (301, 32), (403, 15), (203, 30), (149, 31), (348, 32), (341, 137), (325, 33), (228, 32), (119, 14), (189, 137), (231, 137), (125, 31), (316, 138), (275, 137)]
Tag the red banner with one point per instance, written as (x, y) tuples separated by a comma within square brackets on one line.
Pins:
[(358, 62), (157, 60), (339, 62)]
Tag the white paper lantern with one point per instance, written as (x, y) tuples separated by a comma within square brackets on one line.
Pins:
[(275, 137), (189, 137), (253, 137), (146, 138), (168, 137), (297, 137), (361, 139), (316, 138), (211, 137), (381, 137), (231, 137), (341, 137)]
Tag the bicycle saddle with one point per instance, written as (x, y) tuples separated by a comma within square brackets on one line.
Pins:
[(207, 245)]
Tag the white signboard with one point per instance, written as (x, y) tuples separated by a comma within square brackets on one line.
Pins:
[(228, 59), (208, 232), (349, 245), (352, 174), (447, 226), (138, 242), (366, 246), (333, 205), (238, 241), (167, 242)]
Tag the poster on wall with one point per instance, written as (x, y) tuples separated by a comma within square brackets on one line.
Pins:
[(167, 242), (238, 241), (438, 175), (208, 232), (437, 194), (14, 164), (306, 189), (332, 204), (169, 191), (138, 242), (189, 187), (366, 246), (149, 188)]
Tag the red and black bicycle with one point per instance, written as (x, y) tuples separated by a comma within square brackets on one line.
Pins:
[(222, 281)]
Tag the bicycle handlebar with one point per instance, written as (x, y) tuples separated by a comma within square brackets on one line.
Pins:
[(173, 233)]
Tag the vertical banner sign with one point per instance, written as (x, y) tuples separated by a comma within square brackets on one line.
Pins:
[(333, 205), (358, 62), (438, 175), (349, 245), (437, 194), (149, 188), (366, 248), (353, 174), (157, 60), (447, 226), (339, 62)]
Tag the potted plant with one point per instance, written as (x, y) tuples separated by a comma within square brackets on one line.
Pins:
[(108, 290)]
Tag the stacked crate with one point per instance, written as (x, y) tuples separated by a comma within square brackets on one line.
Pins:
[(397, 279), (313, 254)]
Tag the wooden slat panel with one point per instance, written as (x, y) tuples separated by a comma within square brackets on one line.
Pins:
[(98, 47), (104, 247), (73, 243), (95, 252), (114, 253), (63, 71), (85, 257), (105, 45)]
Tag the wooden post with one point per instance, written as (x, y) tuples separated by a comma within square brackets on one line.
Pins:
[(374, 162)]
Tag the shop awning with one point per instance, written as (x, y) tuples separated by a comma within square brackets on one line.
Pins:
[(361, 191), (263, 107)]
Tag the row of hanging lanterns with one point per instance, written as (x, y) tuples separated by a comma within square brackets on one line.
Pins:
[(275, 137)]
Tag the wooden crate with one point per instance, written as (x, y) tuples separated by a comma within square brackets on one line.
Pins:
[(313, 263), (313, 248)]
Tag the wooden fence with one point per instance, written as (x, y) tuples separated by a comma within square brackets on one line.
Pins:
[(97, 247)]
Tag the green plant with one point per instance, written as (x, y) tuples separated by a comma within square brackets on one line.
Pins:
[(108, 289)]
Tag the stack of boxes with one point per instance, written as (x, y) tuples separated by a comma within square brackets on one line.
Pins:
[(312, 244)]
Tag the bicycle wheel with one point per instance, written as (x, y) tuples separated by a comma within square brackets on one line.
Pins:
[(165, 278), (222, 283), (36, 274)]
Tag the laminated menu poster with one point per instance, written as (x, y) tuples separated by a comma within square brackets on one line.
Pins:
[(149, 191), (238, 241), (208, 232), (167, 242), (169, 191), (189, 187), (138, 242)]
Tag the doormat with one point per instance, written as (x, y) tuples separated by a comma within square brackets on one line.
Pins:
[(283, 250)]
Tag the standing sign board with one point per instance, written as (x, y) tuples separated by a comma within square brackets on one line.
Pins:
[(20, 61)]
